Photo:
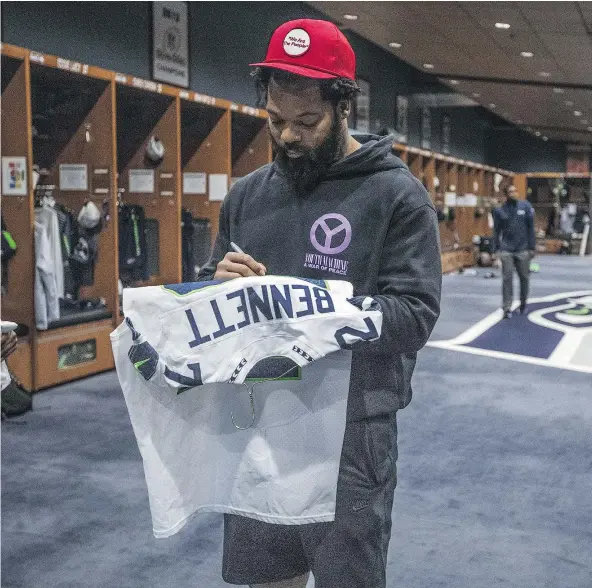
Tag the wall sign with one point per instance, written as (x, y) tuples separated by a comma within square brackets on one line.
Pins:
[(218, 187), (74, 176), (194, 183), (170, 49), (141, 181), (14, 176)]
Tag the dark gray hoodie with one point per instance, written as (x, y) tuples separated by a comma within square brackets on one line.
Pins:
[(370, 222)]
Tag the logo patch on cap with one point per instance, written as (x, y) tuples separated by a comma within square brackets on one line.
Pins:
[(297, 42)]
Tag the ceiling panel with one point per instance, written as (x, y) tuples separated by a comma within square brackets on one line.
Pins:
[(460, 39)]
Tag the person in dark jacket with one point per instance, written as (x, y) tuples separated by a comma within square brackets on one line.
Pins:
[(514, 239), (333, 207)]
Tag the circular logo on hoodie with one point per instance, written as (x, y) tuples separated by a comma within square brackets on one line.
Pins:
[(297, 42), (331, 234)]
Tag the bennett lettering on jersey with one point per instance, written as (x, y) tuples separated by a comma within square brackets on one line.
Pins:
[(186, 335), (254, 304)]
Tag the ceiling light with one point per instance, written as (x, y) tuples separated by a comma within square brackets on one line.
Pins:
[(350, 16), (537, 134), (502, 25), (544, 74), (558, 90), (569, 103), (527, 54), (492, 105), (545, 138), (577, 113), (428, 66), (394, 45), (476, 95), (454, 82), (590, 128)]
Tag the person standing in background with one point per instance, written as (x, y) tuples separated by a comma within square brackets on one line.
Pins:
[(514, 239)]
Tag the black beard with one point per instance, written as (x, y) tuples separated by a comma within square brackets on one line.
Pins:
[(306, 171)]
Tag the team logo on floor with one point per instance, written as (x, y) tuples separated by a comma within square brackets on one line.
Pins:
[(555, 332)]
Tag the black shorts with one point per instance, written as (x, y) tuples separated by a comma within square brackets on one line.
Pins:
[(348, 552)]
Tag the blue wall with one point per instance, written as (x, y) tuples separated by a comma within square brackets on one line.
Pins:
[(224, 37), (520, 151)]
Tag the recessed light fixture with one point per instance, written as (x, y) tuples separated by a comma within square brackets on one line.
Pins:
[(544, 74), (454, 82), (537, 134), (492, 105), (476, 95), (590, 128), (545, 138), (502, 25), (394, 45), (527, 54), (569, 103), (558, 90), (577, 113), (350, 16), (428, 66)]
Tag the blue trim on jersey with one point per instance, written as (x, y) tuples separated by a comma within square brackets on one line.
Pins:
[(319, 283), (190, 287), (145, 359)]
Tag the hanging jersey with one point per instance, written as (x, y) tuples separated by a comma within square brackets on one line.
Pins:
[(132, 241), (295, 363)]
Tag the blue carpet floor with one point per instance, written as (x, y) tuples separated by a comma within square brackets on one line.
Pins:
[(495, 475)]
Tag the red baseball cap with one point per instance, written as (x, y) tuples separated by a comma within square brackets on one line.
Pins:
[(311, 48)]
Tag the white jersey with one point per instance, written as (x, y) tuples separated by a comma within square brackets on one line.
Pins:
[(180, 355)]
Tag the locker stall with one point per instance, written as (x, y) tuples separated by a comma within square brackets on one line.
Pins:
[(452, 177), (401, 152), (73, 146), (442, 176), (415, 163), (429, 174), (250, 142), (481, 181), (561, 203), (465, 225), (206, 168), (463, 178), (148, 185), (488, 187), (18, 272)]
